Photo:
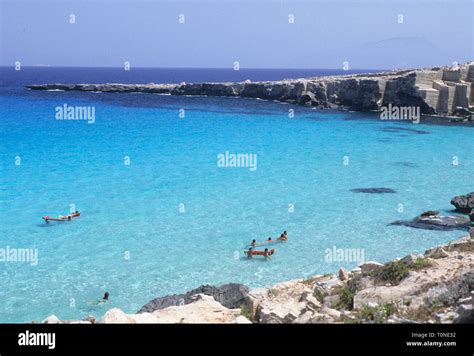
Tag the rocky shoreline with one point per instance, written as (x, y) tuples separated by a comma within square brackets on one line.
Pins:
[(442, 91), (434, 287)]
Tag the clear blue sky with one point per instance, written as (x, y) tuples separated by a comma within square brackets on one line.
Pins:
[(255, 33)]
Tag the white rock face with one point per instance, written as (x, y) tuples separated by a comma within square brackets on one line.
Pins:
[(52, 319), (204, 310), (242, 320), (285, 303), (445, 281), (116, 316)]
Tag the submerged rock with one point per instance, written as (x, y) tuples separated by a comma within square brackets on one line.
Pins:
[(373, 190), (229, 295), (402, 129), (464, 203)]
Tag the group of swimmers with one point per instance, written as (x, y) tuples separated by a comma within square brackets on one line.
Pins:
[(265, 253)]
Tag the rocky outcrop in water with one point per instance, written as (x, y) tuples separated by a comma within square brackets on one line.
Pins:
[(229, 295), (464, 203), (441, 90), (431, 220)]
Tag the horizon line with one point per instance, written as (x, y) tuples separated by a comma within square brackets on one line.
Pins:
[(230, 68)]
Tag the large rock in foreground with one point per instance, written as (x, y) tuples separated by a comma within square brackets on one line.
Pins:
[(202, 309), (229, 295), (464, 203)]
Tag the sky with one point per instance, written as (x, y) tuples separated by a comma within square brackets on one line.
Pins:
[(257, 34)]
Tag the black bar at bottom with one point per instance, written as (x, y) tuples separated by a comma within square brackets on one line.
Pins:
[(417, 338)]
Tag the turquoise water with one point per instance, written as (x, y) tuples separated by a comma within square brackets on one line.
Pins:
[(134, 210)]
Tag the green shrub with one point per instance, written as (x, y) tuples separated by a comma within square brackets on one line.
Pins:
[(246, 311), (377, 314), (391, 272), (421, 263), (346, 298)]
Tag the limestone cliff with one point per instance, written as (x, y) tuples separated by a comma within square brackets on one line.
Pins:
[(437, 91)]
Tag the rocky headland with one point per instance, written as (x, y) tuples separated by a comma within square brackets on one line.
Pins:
[(443, 91)]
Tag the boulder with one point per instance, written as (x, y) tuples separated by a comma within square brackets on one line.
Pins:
[(333, 313), (463, 203), (229, 295), (410, 259), (52, 319), (304, 318), (280, 314), (437, 252), (253, 300), (242, 320), (311, 302), (465, 314), (331, 301), (438, 294), (343, 274), (116, 316), (446, 318), (202, 309), (319, 318)]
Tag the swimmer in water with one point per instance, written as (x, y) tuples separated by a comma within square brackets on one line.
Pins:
[(104, 300)]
